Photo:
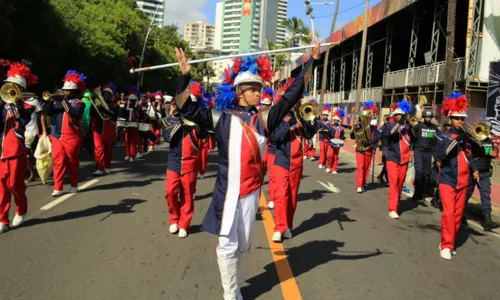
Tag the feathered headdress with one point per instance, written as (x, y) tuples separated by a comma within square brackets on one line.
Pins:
[(283, 89), (394, 105), (74, 81), (267, 96), (133, 93), (455, 105), (250, 69), (314, 102), (206, 97), (110, 87), (327, 108), (338, 114), (21, 74), (158, 95), (196, 91), (370, 105), (403, 108)]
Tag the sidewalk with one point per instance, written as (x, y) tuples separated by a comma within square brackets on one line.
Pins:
[(474, 202)]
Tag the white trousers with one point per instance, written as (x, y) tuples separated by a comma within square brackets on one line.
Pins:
[(239, 238)]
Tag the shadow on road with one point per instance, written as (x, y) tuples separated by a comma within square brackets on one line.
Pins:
[(302, 259), (409, 205), (321, 219), (124, 184), (314, 195), (345, 170), (201, 197), (125, 206)]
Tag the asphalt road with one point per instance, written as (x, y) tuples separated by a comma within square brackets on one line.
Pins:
[(111, 241)]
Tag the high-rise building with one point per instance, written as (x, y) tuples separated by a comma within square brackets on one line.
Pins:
[(219, 8), (199, 35), (150, 6), (248, 25)]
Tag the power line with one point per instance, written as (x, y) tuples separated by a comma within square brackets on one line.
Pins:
[(343, 11)]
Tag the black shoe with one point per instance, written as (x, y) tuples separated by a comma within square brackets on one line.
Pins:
[(416, 198), (380, 179), (487, 222)]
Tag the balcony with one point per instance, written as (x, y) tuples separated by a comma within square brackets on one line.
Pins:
[(374, 94), (424, 75)]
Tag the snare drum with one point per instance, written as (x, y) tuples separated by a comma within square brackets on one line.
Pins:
[(132, 124), (121, 123), (336, 142), (144, 127)]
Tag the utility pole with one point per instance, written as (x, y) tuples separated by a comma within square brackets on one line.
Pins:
[(450, 46), (141, 76), (362, 58), (327, 55)]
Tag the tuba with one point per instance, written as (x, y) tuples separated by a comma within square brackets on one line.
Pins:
[(100, 104), (10, 92), (362, 129)]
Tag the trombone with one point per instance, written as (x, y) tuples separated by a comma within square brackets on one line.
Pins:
[(10, 93), (48, 96)]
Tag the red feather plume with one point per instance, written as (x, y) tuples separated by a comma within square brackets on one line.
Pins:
[(394, 106), (196, 89), (459, 104), (227, 76), (265, 72), (237, 66), (77, 79), (24, 71)]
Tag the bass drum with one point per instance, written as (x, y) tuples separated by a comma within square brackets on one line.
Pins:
[(336, 142), (121, 123), (144, 127)]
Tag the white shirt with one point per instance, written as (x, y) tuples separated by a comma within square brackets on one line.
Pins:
[(32, 127)]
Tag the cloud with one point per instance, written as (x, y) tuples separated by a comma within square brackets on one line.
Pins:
[(179, 12)]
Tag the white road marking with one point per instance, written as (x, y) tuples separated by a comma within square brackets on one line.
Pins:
[(329, 187), (68, 195)]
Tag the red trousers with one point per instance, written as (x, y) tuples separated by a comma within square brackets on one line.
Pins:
[(180, 190), (211, 142), (66, 156), (12, 171), (157, 132), (396, 174), (453, 210), (323, 152), (309, 150), (272, 186), (103, 152), (203, 156), (287, 188), (333, 158), (131, 138), (364, 162)]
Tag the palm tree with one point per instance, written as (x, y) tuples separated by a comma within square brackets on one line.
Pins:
[(293, 26), (304, 38)]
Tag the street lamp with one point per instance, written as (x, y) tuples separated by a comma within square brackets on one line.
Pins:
[(141, 78)]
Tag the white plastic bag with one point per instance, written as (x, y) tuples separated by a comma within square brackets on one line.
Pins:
[(410, 177), (43, 155)]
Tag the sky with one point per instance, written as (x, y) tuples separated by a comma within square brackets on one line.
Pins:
[(180, 11)]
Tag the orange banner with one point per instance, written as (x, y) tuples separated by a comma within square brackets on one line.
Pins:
[(247, 8)]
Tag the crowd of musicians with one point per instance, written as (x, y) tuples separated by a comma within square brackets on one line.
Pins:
[(256, 130)]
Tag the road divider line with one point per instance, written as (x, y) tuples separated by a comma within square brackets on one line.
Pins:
[(288, 283), (68, 195)]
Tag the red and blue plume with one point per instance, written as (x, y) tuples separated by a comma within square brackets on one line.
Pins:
[(394, 105), (24, 71), (454, 102), (370, 105), (314, 101), (205, 99), (158, 93), (268, 92), (339, 113), (405, 106), (134, 90), (115, 88), (196, 89), (78, 78)]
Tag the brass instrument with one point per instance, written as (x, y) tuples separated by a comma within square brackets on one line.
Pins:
[(469, 130), (481, 130), (100, 104), (413, 121), (48, 96), (10, 92), (362, 129), (308, 111)]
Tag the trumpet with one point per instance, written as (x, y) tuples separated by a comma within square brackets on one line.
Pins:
[(10, 92), (47, 95)]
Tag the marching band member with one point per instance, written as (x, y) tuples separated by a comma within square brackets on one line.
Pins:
[(204, 147), (241, 132), (400, 134), (288, 168), (155, 110), (384, 146), (310, 144), (104, 131), (13, 162), (183, 163), (364, 155), (324, 137), (131, 114), (453, 153), (333, 162), (143, 117), (66, 113)]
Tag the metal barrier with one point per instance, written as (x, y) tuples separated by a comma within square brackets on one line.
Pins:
[(424, 75)]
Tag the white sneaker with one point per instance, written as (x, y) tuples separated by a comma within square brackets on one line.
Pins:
[(98, 173), (3, 228), (201, 176), (334, 172), (131, 159), (312, 158), (56, 193), (277, 237), (173, 228), (321, 166), (393, 215), (73, 190), (328, 170), (305, 157), (183, 233), (445, 253), (150, 149), (127, 157), (139, 155), (18, 220), (287, 234), (359, 190), (107, 171), (270, 204), (453, 252)]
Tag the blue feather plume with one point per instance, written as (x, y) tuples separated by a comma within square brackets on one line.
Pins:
[(341, 112), (405, 106), (454, 95), (268, 91), (306, 93), (369, 103), (225, 96), (328, 105), (115, 88)]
